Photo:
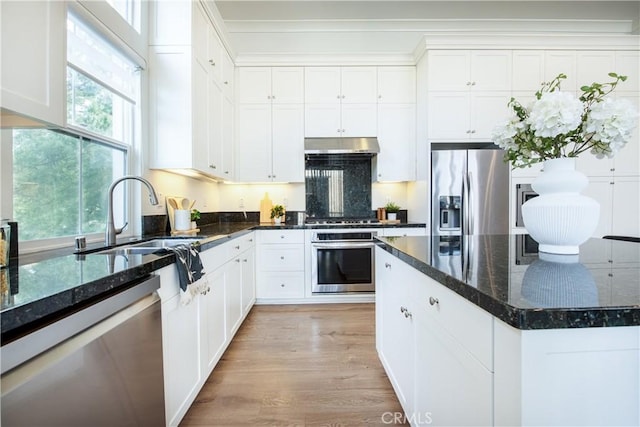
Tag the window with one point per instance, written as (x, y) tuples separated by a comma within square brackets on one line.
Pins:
[(61, 176), (129, 10)]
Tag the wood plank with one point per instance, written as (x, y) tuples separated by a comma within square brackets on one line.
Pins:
[(299, 365)]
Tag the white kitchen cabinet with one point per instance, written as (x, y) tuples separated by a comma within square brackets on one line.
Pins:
[(594, 66), (561, 61), (228, 76), (335, 85), (280, 264), (464, 116), (187, 92), (464, 70), (270, 143), (271, 85), (340, 101), (395, 329), (233, 295), (33, 73), (436, 347), (397, 85), (214, 334), (181, 329), (619, 205), (248, 259), (397, 138), (528, 70), (628, 64)]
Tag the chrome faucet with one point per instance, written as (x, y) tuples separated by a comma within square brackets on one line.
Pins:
[(112, 231)]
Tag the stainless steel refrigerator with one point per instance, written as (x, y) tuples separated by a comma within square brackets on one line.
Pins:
[(469, 190), (469, 196)]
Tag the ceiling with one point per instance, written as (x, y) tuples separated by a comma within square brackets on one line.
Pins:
[(261, 28)]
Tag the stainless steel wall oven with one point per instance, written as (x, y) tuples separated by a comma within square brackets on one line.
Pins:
[(524, 192), (343, 261)]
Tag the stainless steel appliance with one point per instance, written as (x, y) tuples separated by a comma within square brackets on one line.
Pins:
[(99, 366), (524, 193), (343, 261), (469, 190)]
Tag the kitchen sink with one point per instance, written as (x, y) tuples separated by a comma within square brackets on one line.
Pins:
[(148, 247)]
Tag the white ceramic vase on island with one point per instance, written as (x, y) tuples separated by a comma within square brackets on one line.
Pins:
[(560, 218)]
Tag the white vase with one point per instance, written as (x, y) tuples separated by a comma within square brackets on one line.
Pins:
[(392, 216), (560, 218), (277, 220)]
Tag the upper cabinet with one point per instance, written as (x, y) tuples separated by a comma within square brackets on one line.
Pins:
[(459, 70), (335, 85), (270, 85), (191, 92), (33, 61), (396, 85)]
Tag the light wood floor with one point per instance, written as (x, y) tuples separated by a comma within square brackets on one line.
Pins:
[(299, 365)]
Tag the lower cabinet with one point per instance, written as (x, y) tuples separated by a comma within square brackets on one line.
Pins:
[(280, 265), (195, 335), (435, 346)]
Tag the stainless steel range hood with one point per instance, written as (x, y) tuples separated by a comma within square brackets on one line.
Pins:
[(368, 145)]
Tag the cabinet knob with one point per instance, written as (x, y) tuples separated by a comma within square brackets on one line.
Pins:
[(212, 166), (342, 131), (473, 131), (213, 64), (282, 236), (244, 260), (237, 260), (342, 96), (282, 285), (227, 172), (387, 265), (473, 83), (379, 96), (403, 309), (226, 82), (237, 247), (273, 97), (407, 314), (282, 257), (338, 97), (468, 83), (612, 169), (433, 301)]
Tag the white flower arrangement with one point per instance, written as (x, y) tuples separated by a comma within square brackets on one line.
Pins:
[(557, 124)]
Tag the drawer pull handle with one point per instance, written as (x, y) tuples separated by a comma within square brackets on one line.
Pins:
[(433, 301)]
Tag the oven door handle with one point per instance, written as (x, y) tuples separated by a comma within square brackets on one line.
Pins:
[(342, 245)]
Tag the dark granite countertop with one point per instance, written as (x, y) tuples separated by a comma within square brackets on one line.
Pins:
[(42, 287), (504, 275)]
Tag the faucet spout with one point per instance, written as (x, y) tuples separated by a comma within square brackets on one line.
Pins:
[(111, 231)]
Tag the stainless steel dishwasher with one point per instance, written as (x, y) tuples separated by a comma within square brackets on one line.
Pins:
[(101, 366)]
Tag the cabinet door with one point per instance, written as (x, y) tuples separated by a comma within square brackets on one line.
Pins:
[(322, 85), (491, 70), (216, 52), (248, 280), (600, 189), (204, 106), (626, 207), (397, 138), (358, 85), (396, 347), (214, 122), (228, 144), (288, 143), (449, 115), (322, 120), (253, 143), (280, 285), (287, 85), (359, 120), (594, 66), (452, 387), (213, 314), (487, 110), (627, 161), (528, 70), (34, 59), (233, 295), (181, 352), (228, 75), (396, 85), (449, 70), (254, 85), (628, 64), (556, 62)]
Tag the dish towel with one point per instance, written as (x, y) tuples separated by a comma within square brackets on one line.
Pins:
[(191, 275)]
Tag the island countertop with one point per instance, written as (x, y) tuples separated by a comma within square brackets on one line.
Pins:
[(507, 277)]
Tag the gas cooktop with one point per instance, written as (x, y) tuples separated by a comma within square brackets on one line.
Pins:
[(342, 221)]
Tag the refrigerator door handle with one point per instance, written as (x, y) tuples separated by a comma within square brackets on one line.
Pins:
[(464, 221), (470, 217)]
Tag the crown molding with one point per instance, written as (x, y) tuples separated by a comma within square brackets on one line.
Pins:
[(322, 59)]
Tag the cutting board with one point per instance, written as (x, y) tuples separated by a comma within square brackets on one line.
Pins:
[(265, 209)]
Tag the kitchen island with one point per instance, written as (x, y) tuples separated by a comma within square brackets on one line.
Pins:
[(483, 330)]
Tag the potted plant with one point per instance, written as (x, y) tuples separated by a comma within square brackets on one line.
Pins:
[(195, 215), (392, 210), (555, 128), (277, 213)]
